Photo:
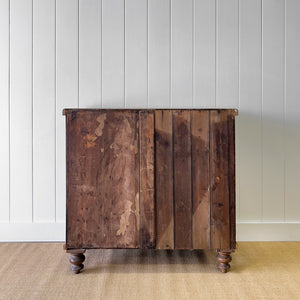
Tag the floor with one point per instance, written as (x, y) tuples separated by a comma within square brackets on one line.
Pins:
[(269, 270)]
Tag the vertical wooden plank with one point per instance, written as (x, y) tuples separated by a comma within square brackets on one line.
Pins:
[(44, 110), (182, 53), (21, 110), (219, 165), (4, 108), (250, 136), (90, 53), (182, 180), (292, 121), (136, 41), (232, 187), (66, 88), (147, 196), (113, 53), (159, 53), (204, 53), (164, 179), (200, 179), (273, 110), (103, 197), (227, 54)]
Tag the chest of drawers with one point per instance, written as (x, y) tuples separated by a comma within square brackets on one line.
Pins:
[(155, 179)]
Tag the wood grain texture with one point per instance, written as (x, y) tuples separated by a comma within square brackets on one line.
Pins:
[(200, 179), (102, 172), (164, 179), (147, 200), (161, 179), (219, 156), (182, 180), (231, 137)]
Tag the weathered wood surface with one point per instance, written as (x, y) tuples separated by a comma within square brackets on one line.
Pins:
[(219, 164), (200, 179), (103, 187), (164, 180), (147, 195), (231, 136), (160, 179), (182, 180)]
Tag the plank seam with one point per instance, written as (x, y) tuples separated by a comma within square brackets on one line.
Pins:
[(261, 116), (78, 50), (124, 55), (210, 177), (216, 49), (140, 164), (9, 117), (173, 185), (55, 108), (32, 122), (170, 58), (284, 118), (192, 181)]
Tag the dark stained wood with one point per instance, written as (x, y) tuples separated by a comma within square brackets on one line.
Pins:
[(164, 180), (182, 180), (200, 179), (76, 259), (231, 136), (147, 200), (147, 178), (103, 187), (219, 157), (224, 259)]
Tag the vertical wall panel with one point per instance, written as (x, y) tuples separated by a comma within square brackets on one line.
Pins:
[(292, 125), (136, 53), (4, 108), (273, 110), (21, 110), (227, 53), (44, 110), (66, 88), (250, 111), (155, 53), (90, 53), (159, 53), (204, 53), (113, 53), (182, 53)]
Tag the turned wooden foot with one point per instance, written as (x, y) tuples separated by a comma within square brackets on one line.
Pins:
[(76, 259), (224, 259)]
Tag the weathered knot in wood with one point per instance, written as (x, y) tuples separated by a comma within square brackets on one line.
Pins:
[(216, 183)]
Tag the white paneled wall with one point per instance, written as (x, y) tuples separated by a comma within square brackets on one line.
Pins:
[(149, 53)]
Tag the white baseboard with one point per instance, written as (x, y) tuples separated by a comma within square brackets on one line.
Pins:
[(55, 232), (32, 232)]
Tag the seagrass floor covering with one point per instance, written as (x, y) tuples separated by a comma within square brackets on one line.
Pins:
[(41, 271)]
